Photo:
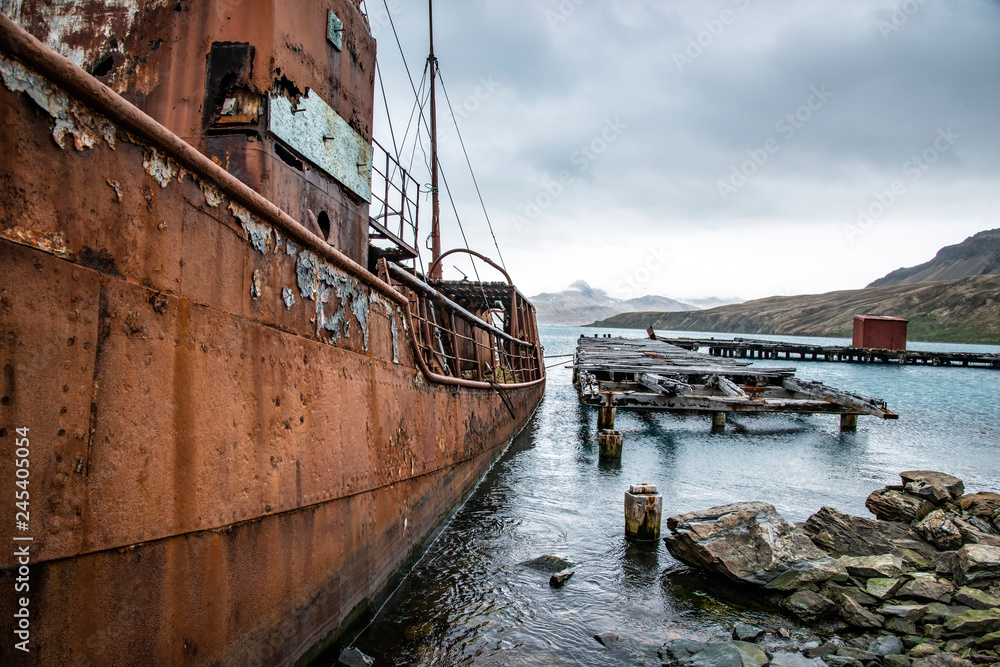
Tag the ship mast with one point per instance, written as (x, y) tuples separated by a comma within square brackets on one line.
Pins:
[(435, 201)]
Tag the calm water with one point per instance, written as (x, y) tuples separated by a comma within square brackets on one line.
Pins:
[(468, 602)]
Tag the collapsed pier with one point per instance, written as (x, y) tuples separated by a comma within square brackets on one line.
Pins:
[(612, 373)]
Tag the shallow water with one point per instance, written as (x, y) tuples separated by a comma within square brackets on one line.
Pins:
[(468, 602)]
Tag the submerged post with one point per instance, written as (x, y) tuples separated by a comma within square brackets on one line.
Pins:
[(610, 443), (643, 509), (849, 423), (718, 421)]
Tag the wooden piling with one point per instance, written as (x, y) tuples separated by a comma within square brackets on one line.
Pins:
[(610, 443), (849, 423), (606, 418), (718, 421), (643, 510)]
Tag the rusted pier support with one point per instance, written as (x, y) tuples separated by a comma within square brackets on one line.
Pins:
[(643, 509), (849, 423), (606, 417)]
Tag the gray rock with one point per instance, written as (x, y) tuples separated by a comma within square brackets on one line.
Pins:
[(911, 612), (926, 590), (917, 552), (988, 641), (856, 594), (688, 653), (956, 645), (886, 645), (939, 529), (841, 661), (854, 613), (952, 484), (884, 565), (352, 657), (823, 650), (946, 563), (936, 612), (974, 621), (882, 587), (942, 660), (859, 654), (900, 625), (975, 598), (548, 564), (755, 652), (894, 505), (933, 630), (976, 562), (972, 534), (747, 633), (808, 606), (787, 659), (559, 578), (895, 660), (749, 542), (607, 639), (847, 535)]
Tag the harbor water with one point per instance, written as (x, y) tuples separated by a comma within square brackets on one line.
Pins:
[(470, 602)]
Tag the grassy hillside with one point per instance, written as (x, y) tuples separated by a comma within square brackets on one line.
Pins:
[(961, 311)]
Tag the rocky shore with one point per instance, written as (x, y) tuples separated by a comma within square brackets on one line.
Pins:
[(917, 586)]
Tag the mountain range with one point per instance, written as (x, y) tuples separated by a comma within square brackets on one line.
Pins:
[(953, 297), (583, 304)]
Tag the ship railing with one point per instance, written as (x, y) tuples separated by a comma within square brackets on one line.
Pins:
[(395, 205), (457, 346)]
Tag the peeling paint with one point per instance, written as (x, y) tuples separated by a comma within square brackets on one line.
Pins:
[(305, 271), (160, 167), (71, 117), (212, 196), (255, 287), (258, 232), (50, 242), (288, 297), (117, 188), (290, 248), (390, 310)]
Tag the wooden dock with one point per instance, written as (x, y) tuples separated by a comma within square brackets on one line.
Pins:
[(752, 348), (612, 373)]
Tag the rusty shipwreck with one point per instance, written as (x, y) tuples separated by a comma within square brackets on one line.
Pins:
[(247, 405)]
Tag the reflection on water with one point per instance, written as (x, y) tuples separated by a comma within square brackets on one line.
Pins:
[(469, 602)]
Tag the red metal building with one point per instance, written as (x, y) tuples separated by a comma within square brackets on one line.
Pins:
[(879, 332)]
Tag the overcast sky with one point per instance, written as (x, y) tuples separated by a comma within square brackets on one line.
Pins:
[(696, 148)]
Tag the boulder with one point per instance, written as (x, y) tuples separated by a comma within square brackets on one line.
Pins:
[(939, 529), (847, 535), (896, 660), (854, 614), (953, 485), (924, 589), (900, 625), (856, 594), (942, 660), (548, 564), (752, 543), (935, 493), (688, 653), (808, 606), (886, 645), (975, 598), (884, 565), (910, 612), (890, 504), (883, 587), (974, 621), (976, 562), (924, 650), (988, 641), (352, 657), (984, 504), (973, 534), (747, 633), (936, 612), (752, 650), (559, 578), (788, 659)]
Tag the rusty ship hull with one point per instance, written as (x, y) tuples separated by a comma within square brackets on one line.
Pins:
[(236, 437)]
